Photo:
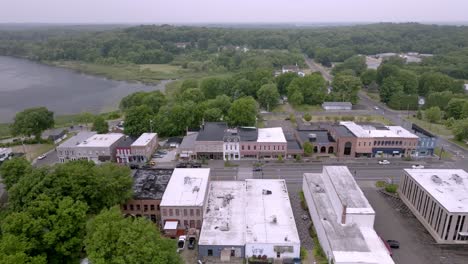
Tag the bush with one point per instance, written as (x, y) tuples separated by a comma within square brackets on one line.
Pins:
[(280, 158), (29, 141), (307, 117), (303, 201), (303, 253), (347, 118), (391, 188), (380, 184)]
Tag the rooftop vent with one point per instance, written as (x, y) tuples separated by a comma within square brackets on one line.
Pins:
[(312, 135), (274, 219), (196, 189), (436, 179), (266, 192), (457, 178), (224, 227), (187, 180)]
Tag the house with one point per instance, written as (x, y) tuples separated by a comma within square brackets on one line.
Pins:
[(339, 106), (68, 150), (99, 147), (123, 152), (290, 68), (148, 189), (55, 135), (249, 219), (183, 203), (144, 147), (437, 197), (343, 218), (373, 63), (173, 142), (182, 45), (426, 141)]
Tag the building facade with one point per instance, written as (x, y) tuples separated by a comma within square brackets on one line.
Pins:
[(438, 199), (144, 147), (99, 147), (209, 143), (67, 151), (427, 141), (123, 152), (337, 106)]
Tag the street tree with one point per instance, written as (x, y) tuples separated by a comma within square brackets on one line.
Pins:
[(138, 120), (389, 87), (368, 76), (32, 121), (243, 112), (296, 98), (455, 108), (11, 171), (308, 148), (268, 96), (113, 239), (100, 125), (283, 81), (433, 114), (460, 129)]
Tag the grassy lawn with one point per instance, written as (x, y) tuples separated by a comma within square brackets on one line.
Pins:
[(307, 108), (5, 130), (459, 143), (373, 95), (332, 118), (445, 154), (280, 109), (437, 129), (33, 151)]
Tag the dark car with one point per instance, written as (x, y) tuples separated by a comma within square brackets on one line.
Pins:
[(181, 165), (196, 165), (393, 243), (257, 169), (191, 243)]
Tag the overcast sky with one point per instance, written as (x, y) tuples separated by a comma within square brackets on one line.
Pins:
[(201, 11)]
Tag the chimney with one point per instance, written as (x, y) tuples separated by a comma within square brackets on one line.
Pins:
[(343, 215)]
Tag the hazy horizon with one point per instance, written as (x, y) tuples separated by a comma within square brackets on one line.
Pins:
[(232, 12)]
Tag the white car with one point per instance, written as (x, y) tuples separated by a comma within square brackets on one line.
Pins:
[(417, 166), (41, 157), (376, 107), (384, 162), (181, 243)]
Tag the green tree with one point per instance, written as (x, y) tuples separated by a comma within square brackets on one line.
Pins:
[(346, 88), (308, 148), (85, 118), (460, 129), (355, 63), (437, 82), (296, 98), (32, 121), (307, 117), (312, 87), (368, 76), (15, 249), (113, 239), (100, 125), (386, 70), (11, 171), (402, 101), (154, 100), (433, 114), (211, 87), (268, 96), (389, 87), (465, 110), (176, 118), (243, 112), (419, 114), (440, 99), (189, 83), (138, 120), (408, 80), (455, 108), (193, 94), (212, 115), (283, 81)]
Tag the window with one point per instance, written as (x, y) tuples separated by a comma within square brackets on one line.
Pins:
[(199, 224), (158, 208), (171, 212), (124, 207), (138, 207), (230, 147), (191, 212), (282, 147), (255, 147), (192, 223), (153, 218), (210, 252), (359, 143), (177, 212), (242, 147), (186, 223), (145, 207), (248, 147), (152, 207), (268, 147), (131, 207), (185, 212), (198, 212), (274, 147)]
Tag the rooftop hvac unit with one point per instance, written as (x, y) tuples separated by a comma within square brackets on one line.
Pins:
[(436, 179), (266, 192), (186, 180), (196, 189), (457, 178)]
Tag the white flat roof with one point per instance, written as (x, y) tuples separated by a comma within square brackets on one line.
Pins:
[(450, 190), (101, 140), (271, 135), (187, 187), (77, 139), (224, 217), (371, 132), (269, 217), (171, 225), (144, 139)]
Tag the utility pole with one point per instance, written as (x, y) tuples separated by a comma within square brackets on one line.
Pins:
[(151, 126), (441, 151)]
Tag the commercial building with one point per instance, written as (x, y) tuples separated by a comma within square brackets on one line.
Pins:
[(184, 200), (231, 144), (123, 152), (148, 189), (439, 199), (68, 150), (186, 149), (337, 106), (209, 142), (426, 142), (143, 147), (343, 218), (271, 143), (374, 140), (99, 147), (249, 219), (321, 140)]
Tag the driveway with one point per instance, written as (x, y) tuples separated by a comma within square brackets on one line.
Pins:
[(395, 221)]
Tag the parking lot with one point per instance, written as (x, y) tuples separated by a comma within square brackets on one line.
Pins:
[(394, 221), (165, 158)]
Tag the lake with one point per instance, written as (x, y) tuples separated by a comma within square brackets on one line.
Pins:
[(25, 84)]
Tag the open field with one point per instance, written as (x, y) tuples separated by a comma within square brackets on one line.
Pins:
[(307, 108), (33, 151), (4, 130)]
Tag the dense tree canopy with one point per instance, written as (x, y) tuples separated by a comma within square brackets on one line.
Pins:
[(243, 112), (346, 88), (32, 121), (100, 125), (268, 96), (312, 88)]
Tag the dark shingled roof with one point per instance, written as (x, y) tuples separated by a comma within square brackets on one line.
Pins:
[(248, 133), (212, 131), (342, 131), (322, 136), (126, 143), (150, 183)]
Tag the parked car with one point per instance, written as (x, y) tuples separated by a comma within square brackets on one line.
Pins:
[(196, 165), (152, 163), (376, 107), (191, 243), (181, 243), (393, 243), (161, 152), (257, 169), (41, 157), (157, 156), (181, 165), (417, 166), (384, 162)]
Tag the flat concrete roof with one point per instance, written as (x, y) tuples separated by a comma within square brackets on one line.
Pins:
[(271, 135), (368, 131), (187, 187), (101, 140), (449, 187), (77, 139), (349, 242), (268, 213), (150, 184), (224, 217), (144, 139)]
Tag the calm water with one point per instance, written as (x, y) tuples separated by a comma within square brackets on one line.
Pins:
[(25, 84)]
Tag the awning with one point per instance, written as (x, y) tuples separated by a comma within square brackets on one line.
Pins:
[(171, 225), (463, 233), (184, 155), (396, 152)]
